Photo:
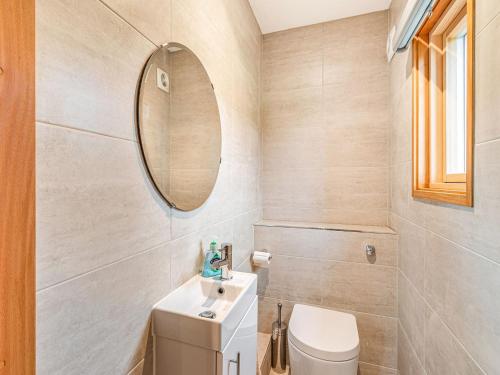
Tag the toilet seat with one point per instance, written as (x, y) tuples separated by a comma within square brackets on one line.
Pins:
[(324, 334)]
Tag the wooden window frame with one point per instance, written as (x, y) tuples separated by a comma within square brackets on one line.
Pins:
[(429, 179), (17, 187)]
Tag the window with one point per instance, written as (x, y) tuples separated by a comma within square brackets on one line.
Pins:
[(443, 58)]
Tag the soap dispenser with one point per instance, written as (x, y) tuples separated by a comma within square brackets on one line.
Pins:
[(211, 255)]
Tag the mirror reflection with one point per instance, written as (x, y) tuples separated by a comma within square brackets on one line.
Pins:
[(179, 126)]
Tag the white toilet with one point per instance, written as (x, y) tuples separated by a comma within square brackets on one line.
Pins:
[(322, 342)]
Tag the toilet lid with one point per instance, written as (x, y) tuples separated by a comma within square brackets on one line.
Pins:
[(325, 334)]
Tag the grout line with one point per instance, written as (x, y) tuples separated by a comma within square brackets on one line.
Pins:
[(375, 365), (138, 254), (427, 304), (493, 140), (336, 261), (68, 127), (328, 307), (127, 22), (348, 230), (453, 336), (336, 168), (400, 326), (136, 366), (101, 267), (456, 244), (224, 221), (479, 32)]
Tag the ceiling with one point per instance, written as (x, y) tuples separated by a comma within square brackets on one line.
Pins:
[(276, 15)]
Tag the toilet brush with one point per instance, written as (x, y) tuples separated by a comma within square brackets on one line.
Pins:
[(278, 354)]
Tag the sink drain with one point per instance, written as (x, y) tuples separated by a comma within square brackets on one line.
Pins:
[(207, 314)]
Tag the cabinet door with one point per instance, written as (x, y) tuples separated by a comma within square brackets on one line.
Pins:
[(241, 351), (176, 358)]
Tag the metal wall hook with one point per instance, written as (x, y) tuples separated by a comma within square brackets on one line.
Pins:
[(370, 250)]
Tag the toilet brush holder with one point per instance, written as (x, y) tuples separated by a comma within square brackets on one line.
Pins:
[(278, 343)]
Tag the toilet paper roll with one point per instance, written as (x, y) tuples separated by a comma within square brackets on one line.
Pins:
[(261, 259)]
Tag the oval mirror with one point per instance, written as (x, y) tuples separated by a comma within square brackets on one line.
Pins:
[(179, 126)]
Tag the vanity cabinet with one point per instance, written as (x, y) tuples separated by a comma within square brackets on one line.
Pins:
[(240, 354), (238, 357)]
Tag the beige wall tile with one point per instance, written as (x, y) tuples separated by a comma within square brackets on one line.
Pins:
[(144, 367), (412, 253), (294, 148), (368, 369), (359, 287), (378, 339), (369, 216), (408, 363), (341, 65), (311, 82), (331, 201), (401, 125), (339, 195), (400, 188), (88, 63), (485, 237), (289, 72), (294, 279), (354, 188), (94, 204), (293, 42), (268, 312), (151, 18), (411, 309), (293, 59), (80, 322), (289, 188), (246, 90), (350, 40), (243, 237), (356, 105), (315, 215), (327, 244), (366, 147), (370, 30), (246, 32), (462, 288), (400, 73), (187, 258), (293, 108), (486, 10), (443, 354), (488, 81)]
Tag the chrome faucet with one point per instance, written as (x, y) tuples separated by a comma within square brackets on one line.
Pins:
[(225, 264)]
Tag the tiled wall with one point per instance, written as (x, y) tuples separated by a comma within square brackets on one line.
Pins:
[(325, 113), (329, 268), (449, 269), (108, 248)]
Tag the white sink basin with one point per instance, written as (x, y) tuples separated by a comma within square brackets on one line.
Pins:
[(177, 315)]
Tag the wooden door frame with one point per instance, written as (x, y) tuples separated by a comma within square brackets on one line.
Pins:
[(17, 187)]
